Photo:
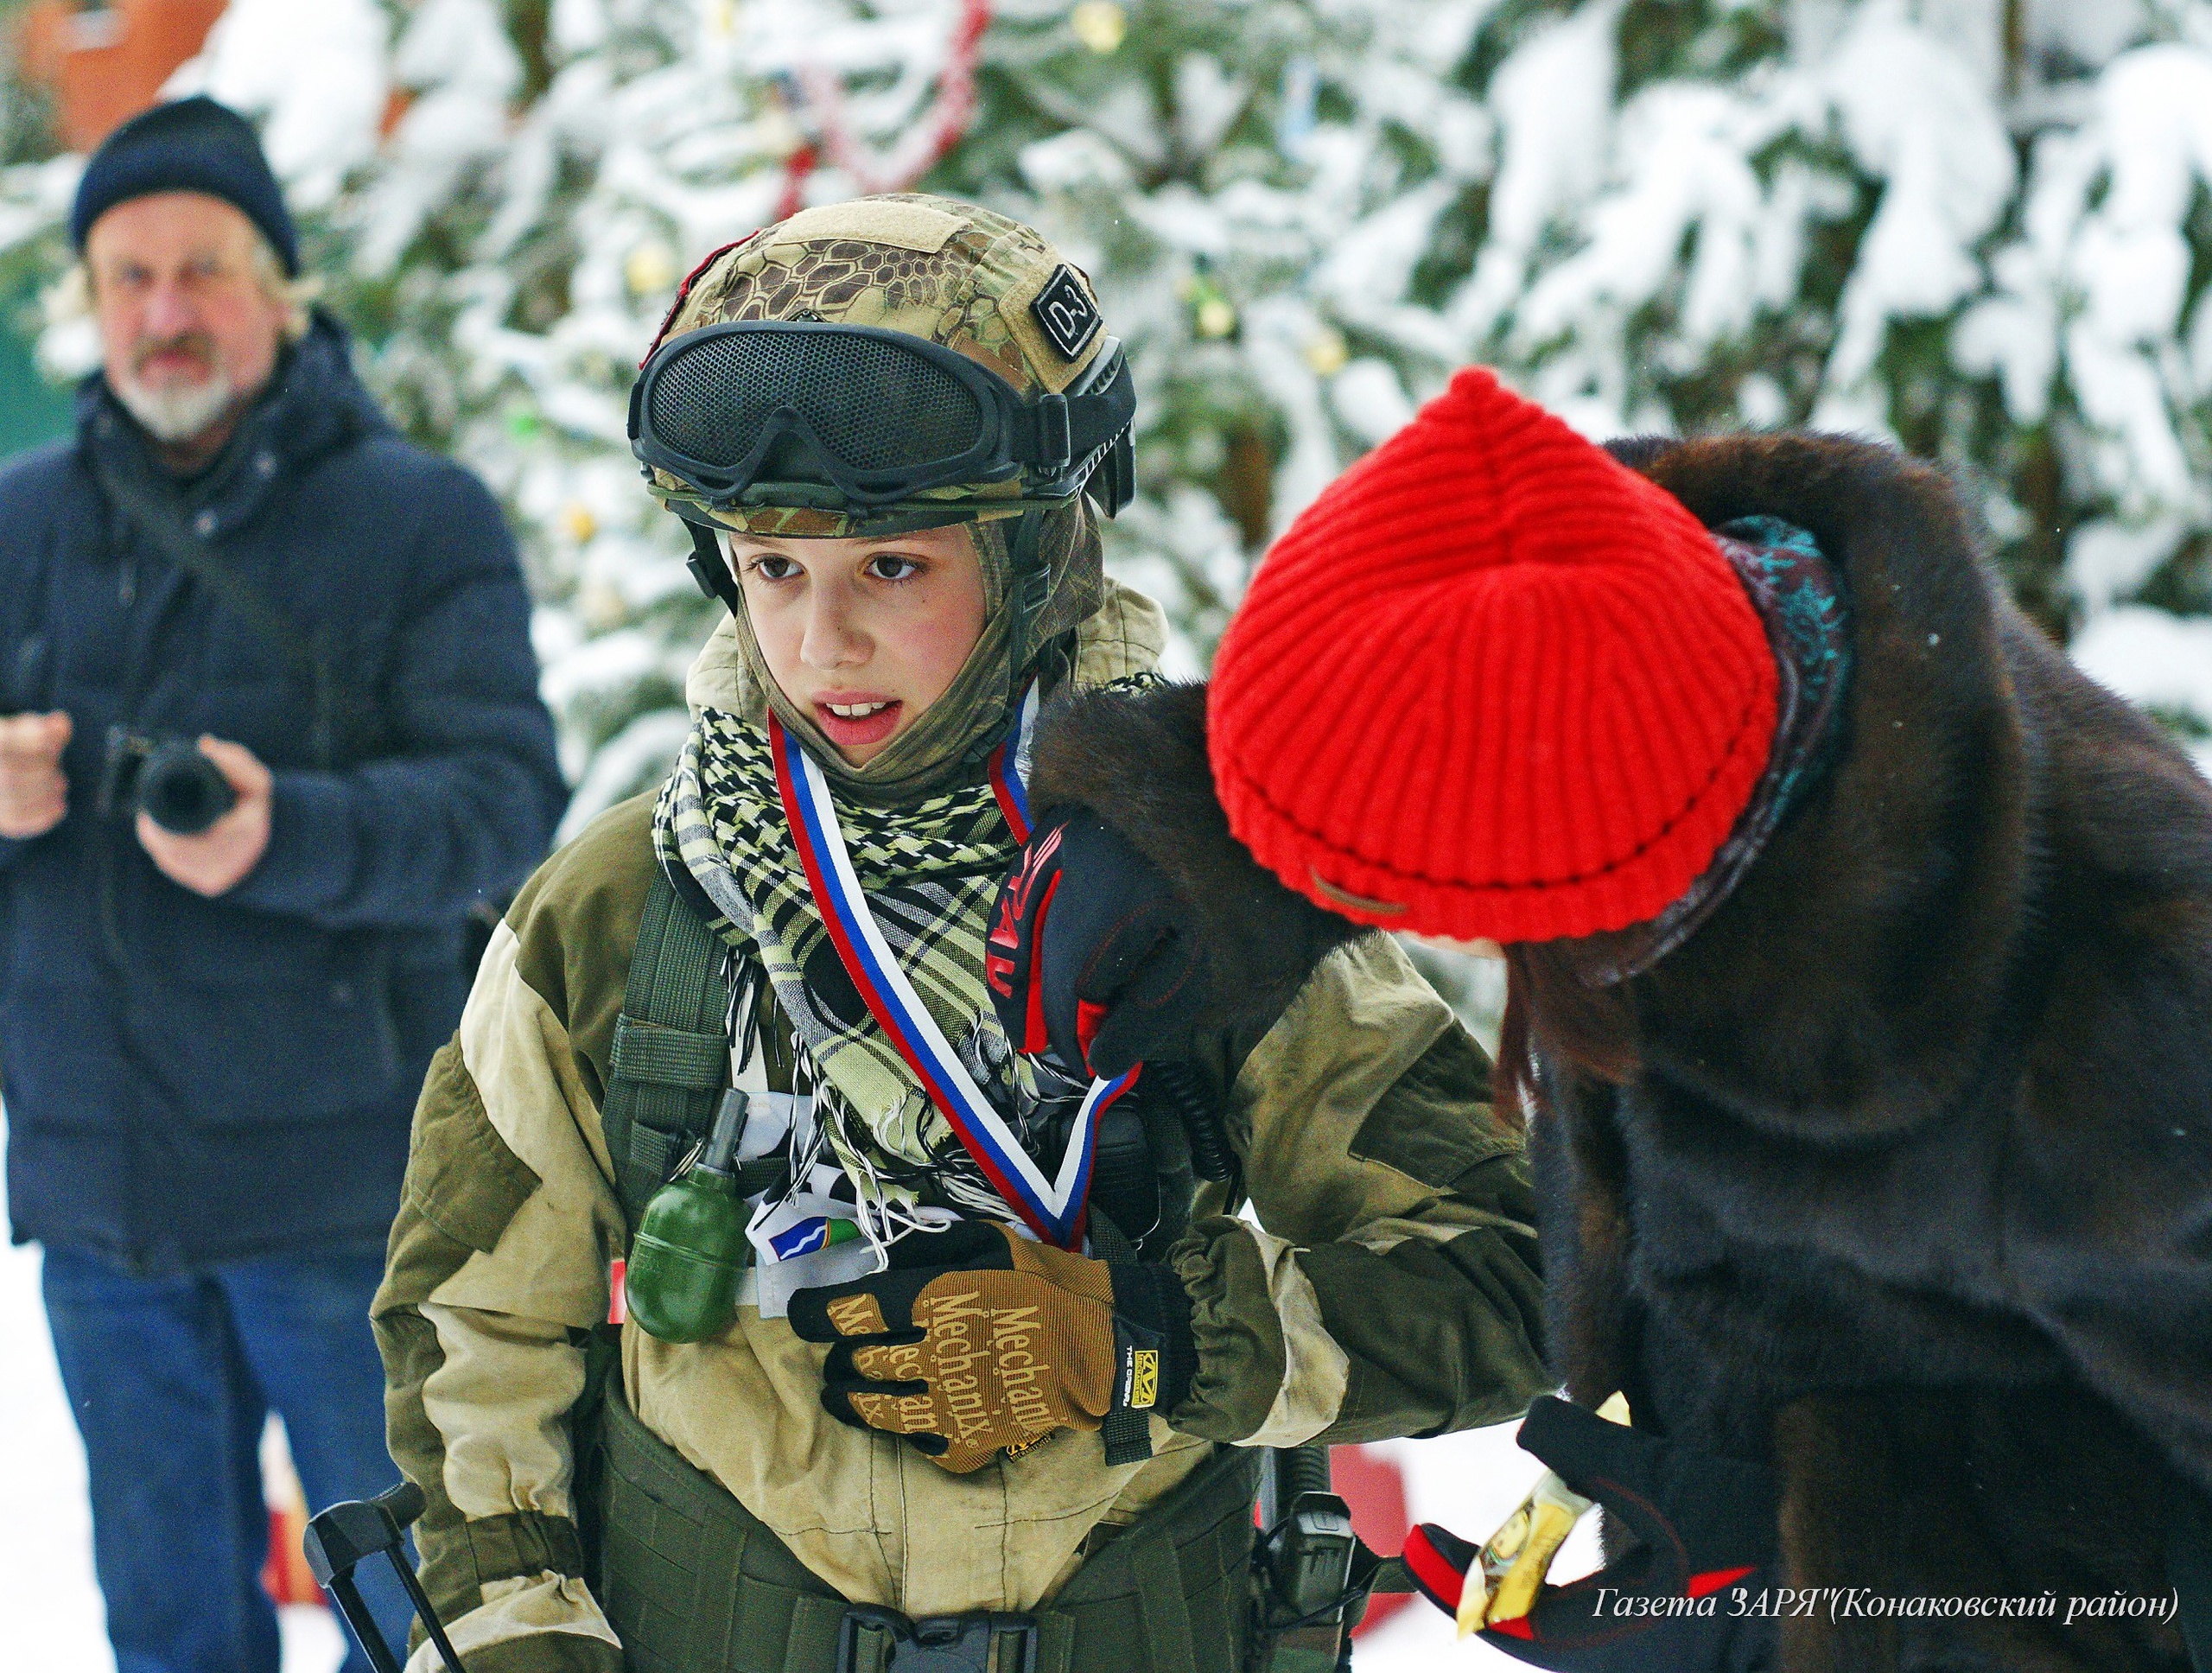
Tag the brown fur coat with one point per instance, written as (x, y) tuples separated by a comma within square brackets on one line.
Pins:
[(1911, 1193)]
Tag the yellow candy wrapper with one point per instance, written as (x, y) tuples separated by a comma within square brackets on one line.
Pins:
[(1504, 1579)]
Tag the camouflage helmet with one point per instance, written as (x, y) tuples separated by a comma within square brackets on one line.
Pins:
[(987, 287)]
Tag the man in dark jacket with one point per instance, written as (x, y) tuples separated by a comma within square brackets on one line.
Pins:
[(212, 1040)]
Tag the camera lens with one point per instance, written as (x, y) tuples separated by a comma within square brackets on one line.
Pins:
[(182, 790)]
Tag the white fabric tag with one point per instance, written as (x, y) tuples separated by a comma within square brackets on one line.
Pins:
[(768, 1118)]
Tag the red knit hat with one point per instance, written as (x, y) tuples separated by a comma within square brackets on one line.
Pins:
[(1491, 684)]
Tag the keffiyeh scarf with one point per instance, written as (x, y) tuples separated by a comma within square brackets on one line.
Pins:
[(931, 873)]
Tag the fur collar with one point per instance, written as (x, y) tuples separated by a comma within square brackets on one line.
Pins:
[(1849, 988)]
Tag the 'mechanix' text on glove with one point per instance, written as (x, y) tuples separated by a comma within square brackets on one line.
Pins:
[(976, 1341)]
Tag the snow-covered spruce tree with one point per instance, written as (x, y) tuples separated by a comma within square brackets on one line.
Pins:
[(1254, 184), (1979, 229), (1979, 226)]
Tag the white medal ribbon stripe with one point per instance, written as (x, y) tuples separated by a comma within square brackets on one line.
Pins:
[(1025, 736), (1052, 1204), (987, 1129), (1025, 720)]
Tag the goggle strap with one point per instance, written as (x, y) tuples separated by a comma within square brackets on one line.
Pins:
[(1113, 481), (1053, 431)]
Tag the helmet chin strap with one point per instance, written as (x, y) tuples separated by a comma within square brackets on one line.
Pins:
[(1030, 581), (1029, 586), (710, 571)]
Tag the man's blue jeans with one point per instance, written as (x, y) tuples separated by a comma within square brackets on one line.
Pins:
[(171, 1380)]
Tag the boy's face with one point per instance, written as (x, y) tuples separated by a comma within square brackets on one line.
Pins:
[(863, 634)]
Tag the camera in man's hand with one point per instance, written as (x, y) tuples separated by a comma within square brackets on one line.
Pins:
[(169, 780)]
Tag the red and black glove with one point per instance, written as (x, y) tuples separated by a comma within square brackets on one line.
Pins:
[(1093, 956), (1686, 1599)]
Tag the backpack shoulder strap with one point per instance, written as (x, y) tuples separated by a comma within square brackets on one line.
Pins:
[(670, 1057)]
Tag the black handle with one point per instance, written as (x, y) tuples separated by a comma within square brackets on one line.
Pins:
[(1286, 1472), (402, 1503), (1186, 1095), (1300, 1470), (336, 1541)]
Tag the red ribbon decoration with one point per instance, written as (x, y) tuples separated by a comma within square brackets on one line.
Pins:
[(946, 124)]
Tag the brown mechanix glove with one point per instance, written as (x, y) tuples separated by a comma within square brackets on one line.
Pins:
[(975, 1340)]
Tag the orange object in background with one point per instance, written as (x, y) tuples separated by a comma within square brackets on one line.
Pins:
[(285, 1575), (107, 62)]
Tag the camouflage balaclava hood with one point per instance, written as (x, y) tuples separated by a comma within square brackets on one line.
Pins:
[(970, 280)]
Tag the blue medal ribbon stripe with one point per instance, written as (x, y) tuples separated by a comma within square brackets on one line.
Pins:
[(1051, 1209)]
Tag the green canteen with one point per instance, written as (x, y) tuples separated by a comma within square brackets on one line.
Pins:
[(690, 1247)]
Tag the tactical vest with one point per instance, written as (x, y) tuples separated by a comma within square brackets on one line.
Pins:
[(693, 1583), (671, 1063)]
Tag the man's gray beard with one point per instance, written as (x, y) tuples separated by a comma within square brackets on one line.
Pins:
[(176, 415)]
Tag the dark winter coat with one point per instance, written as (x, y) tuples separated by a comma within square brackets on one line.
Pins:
[(186, 1079), (1911, 1193)]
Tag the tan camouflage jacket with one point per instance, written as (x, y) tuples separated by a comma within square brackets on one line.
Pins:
[(1388, 1287)]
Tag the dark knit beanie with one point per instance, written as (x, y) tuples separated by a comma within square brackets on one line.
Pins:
[(191, 146), (1491, 686)]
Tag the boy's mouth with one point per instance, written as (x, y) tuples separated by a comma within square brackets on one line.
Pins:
[(859, 722)]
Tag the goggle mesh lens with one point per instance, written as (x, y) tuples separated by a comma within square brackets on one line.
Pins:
[(872, 405)]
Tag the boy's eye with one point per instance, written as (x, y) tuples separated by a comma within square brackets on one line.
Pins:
[(774, 566), (890, 566)]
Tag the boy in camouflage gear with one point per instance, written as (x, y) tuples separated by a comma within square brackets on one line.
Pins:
[(1385, 1285)]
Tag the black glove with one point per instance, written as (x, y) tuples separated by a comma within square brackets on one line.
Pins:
[(1707, 1542), (1092, 955)]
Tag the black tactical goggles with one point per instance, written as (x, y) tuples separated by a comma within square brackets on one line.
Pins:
[(856, 418)]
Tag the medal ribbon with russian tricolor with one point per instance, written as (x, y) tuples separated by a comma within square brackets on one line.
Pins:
[(1052, 1208)]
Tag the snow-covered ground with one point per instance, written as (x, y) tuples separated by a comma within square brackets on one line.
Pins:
[(51, 1619), (48, 1600), (50, 1616), (1470, 1483)]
